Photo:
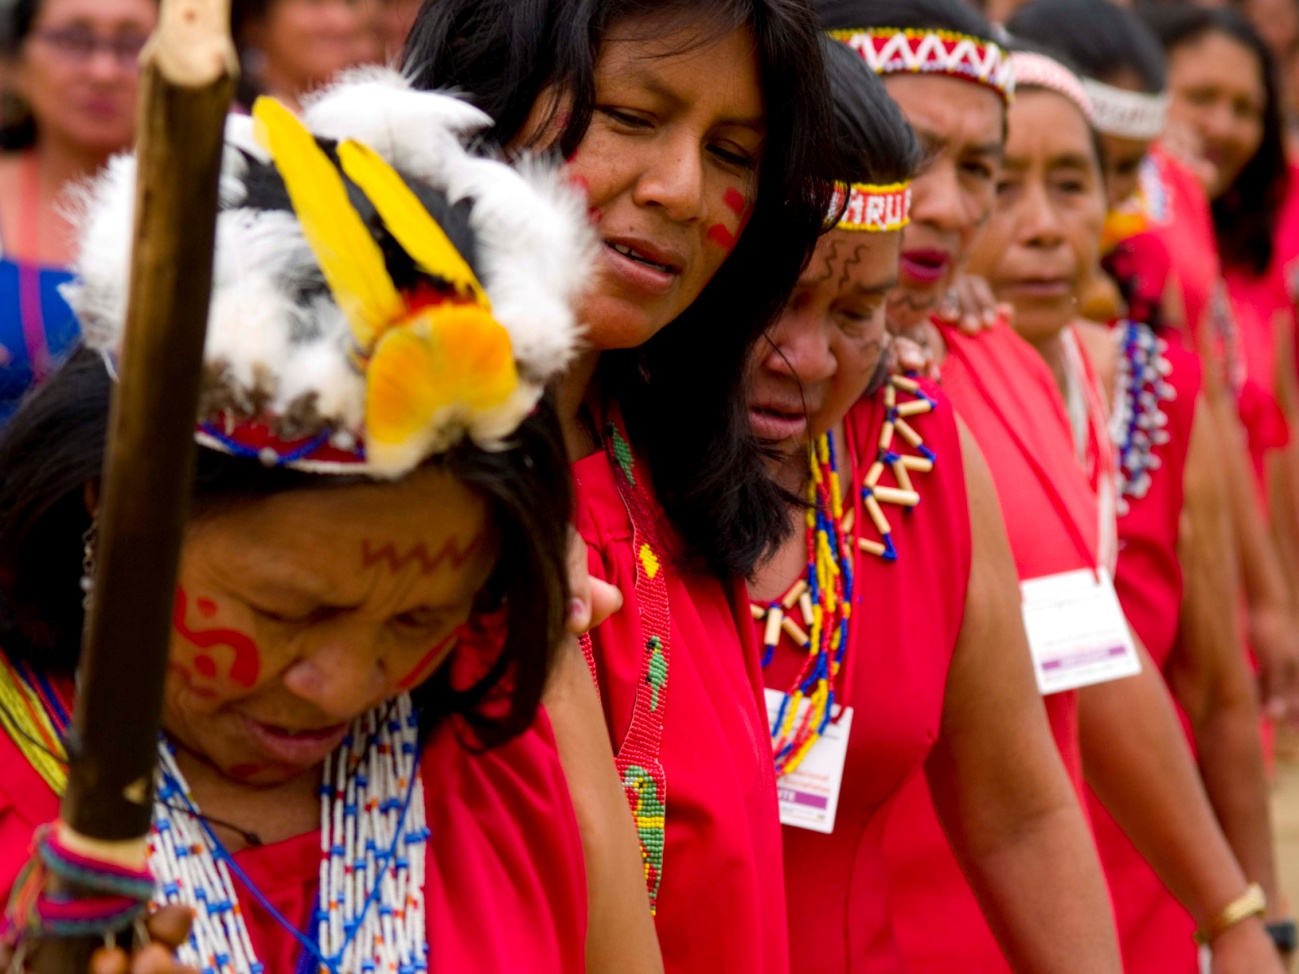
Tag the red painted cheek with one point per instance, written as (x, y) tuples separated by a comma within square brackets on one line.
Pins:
[(735, 201), (245, 663), (721, 236)]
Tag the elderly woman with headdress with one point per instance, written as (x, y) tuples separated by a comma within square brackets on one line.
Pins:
[(354, 773)]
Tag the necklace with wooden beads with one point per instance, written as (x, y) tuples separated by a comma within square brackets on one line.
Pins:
[(1138, 421), (824, 592)]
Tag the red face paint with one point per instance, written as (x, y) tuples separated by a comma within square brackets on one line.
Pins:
[(451, 551), (245, 665), (735, 201), (719, 235), (206, 608), (425, 665)]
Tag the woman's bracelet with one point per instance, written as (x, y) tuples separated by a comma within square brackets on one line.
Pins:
[(1251, 903)]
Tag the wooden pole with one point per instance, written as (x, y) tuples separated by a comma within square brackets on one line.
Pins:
[(187, 81)]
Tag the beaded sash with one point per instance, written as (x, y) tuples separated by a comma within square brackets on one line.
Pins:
[(639, 758), (1138, 421)]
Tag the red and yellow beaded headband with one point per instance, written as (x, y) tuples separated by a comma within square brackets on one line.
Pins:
[(892, 50), (869, 208)]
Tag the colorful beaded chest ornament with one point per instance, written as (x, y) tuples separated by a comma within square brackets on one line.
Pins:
[(824, 593), (349, 335), (890, 50)]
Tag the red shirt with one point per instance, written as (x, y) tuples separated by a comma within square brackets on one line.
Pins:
[(1008, 398), (1155, 932), (721, 904), (907, 616), (505, 887)]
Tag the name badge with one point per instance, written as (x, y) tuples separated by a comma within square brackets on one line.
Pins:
[(809, 795), (1076, 631)]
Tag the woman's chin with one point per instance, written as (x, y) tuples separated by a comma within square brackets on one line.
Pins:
[(614, 321)]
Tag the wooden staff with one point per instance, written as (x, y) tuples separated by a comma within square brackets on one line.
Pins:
[(187, 80)]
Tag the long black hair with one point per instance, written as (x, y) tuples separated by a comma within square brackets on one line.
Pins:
[(875, 141), (919, 14), (1099, 37), (682, 392), (1245, 215), (53, 447)]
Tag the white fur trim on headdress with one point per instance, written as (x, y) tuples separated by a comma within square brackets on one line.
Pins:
[(273, 356), (1127, 114)]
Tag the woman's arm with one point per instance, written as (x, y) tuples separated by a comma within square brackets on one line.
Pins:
[(620, 935), (996, 778), (1208, 673), (1272, 630)]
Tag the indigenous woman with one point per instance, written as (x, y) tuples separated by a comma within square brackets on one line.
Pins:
[(696, 130), (72, 68), (1169, 471), (899, 613), (1223, 90), (354, 772), (1038, 251)]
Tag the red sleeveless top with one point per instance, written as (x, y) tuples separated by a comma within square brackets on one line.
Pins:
[(505, 886), (1178, 213), (1008, 398), (906, 618), (1155, 932), (721, 898)]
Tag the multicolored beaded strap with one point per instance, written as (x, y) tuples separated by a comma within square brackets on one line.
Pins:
[(36, 719), (639, 761), (824, 593), (1138, 421), (888, 456)]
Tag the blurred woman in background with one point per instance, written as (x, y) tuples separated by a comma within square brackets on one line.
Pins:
[(72, 73)]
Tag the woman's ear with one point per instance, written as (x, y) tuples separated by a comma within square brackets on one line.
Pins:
[(90, 497)]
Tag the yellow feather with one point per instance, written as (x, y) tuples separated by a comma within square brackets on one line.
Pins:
[(407, 219), (348, 255)]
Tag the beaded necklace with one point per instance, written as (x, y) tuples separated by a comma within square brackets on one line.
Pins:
[(824, 592), (370, 915), (1138, 421), (639, 759)]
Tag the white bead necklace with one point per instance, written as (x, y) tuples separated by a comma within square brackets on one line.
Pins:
[(372, 842)]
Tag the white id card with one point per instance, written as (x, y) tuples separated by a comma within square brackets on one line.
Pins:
[(809, 795), (1076, 631)]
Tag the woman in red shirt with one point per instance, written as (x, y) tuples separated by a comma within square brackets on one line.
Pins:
[(355, 773), (910, 627), (1039, 251), (696, 131)]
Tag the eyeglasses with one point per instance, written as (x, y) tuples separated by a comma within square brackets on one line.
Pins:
[(78, 45)]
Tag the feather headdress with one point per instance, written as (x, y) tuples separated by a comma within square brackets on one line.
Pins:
[(379, 292)]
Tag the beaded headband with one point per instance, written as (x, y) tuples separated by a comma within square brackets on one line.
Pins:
[(349, 333), (1127, 114), (1039, 71), (890, 50), (874, 209)]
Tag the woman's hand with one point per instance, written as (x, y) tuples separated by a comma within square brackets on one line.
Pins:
[(591, 600), (971, 306), (167, 929), (1245, 949)]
